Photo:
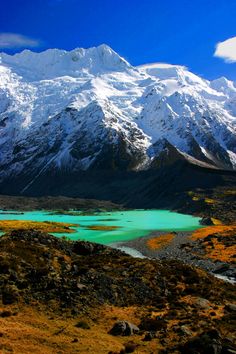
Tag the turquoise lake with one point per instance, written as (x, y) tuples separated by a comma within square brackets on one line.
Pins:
[(131, 223)]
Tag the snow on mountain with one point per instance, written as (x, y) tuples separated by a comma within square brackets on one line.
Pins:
[(89, 108), (56, 62), (227, 87)]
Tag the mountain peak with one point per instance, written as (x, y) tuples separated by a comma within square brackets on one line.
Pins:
[(89, 107), (53, 63), (222, 84)]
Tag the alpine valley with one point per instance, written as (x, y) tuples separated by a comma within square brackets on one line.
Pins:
[(77, 122), (86, 139)]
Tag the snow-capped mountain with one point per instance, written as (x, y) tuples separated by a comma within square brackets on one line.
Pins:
[(89, 109)]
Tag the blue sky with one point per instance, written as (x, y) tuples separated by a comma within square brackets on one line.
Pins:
[(182, 32)]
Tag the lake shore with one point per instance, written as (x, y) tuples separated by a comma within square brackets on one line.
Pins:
[(61, 203), (181, 248)]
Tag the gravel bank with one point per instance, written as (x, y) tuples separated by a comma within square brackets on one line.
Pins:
[(178, 249)]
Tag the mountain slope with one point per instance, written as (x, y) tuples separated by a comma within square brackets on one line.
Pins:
[(89, 109)]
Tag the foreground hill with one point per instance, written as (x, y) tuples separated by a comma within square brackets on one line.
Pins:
[(65, 113), (65, 297)]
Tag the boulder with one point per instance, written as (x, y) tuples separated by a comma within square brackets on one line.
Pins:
[(10, 294), (206, 221), (149, 336), (83, 248), (207, 343), (124, 328), (185, 330), (230, 307), (130, 347), (202, 303)]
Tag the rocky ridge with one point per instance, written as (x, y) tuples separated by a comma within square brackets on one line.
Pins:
[(176, 308)]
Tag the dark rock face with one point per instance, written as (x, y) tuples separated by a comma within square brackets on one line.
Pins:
[(84, 248), (209, 342), (231, 308), (206, 221), (124, 328), (10, 294), (149, 336), (168, 155)]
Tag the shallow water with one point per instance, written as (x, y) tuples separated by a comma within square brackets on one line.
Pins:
[(131, 223)]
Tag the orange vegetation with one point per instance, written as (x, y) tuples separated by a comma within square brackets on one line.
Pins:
[(221, 252), (37, 331), (209, 230), (218, 242), (160, 241), (46, 226), (204, 312), (102, 227)]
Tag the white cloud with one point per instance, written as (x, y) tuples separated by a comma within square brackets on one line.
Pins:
[(16, 40), (226, 50)]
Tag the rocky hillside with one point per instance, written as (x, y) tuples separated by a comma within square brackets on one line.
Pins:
[(71, 297), (90, 110)]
